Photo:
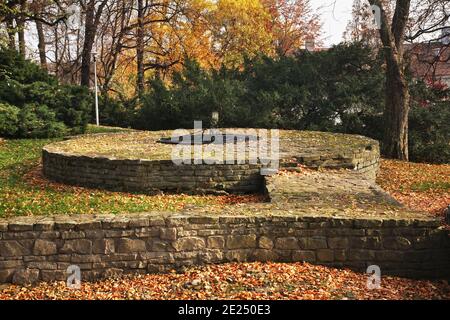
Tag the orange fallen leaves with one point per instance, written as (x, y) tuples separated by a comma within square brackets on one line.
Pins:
[(420, 186), (240, 281)]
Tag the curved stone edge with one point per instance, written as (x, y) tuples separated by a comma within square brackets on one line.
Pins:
[(143, 175), (42, 248), (150, 175), (363, 160)]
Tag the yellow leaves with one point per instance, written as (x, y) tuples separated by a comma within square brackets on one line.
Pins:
[(216, 32), (240, 29)]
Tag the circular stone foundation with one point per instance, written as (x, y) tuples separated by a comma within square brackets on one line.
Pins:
[(136, 161)]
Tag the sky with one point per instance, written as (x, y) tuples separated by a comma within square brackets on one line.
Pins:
[(335, 16)]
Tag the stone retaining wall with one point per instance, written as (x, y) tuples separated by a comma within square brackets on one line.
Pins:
[(364, 161), (150, 175), (43, 248)]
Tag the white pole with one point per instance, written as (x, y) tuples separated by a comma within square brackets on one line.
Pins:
[(96, 93)]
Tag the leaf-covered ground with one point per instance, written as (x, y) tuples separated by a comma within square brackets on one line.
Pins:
[(136, 144), (420, 186), (24, 192), (240, 281)]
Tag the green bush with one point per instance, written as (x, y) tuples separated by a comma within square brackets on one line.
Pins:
[(58, 108), (38, 121), (14, 66), (115, 112), (310, 91), (73, 106), (9, 119), (340, 90), (429, 118), (193, 95)]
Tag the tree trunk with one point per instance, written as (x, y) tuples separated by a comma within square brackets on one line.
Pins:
[(140, 48), (89, 36), (91, 22), (395, 141), (11, 33), (21, 33), (41, 44), (21, 27), (396, 109)]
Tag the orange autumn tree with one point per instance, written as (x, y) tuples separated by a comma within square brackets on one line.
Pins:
[(212, 33), (186, 35), (216, 33), (239, 28), (292, 23)]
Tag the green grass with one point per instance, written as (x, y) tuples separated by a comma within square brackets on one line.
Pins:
[(19, 196), (104, 129), (431, 185)]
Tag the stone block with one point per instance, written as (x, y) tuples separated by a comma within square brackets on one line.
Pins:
[(337, 242), (340, 254), (49, 235), (20, 226), (72, 235), (241, 241), (389, 255), (313, 243), (304, 255), (89, 225), (325, 255), (42, 265), (286, 243), (168, 233), (361, 254), (6, 275), (215, 242), (82, 246), (44, 247), (126, 245), (211, 256), (365, 242), (25, 276), (139, 222), (264, 255), (12, 248), (160, 246), (238, 255), (54, 275), (396, 243), (103, 246), (265, 243), (189, 244), (9, 264), (157, 257)]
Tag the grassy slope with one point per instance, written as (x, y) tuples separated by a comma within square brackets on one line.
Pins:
[(24, 192)]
